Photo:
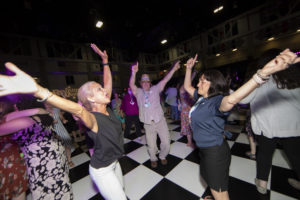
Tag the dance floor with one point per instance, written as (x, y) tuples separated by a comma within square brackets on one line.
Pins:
[(179, 179)]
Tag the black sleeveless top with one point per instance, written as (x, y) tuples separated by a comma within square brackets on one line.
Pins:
[(108, 142)]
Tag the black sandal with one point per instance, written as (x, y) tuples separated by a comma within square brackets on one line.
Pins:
[(250, 155)]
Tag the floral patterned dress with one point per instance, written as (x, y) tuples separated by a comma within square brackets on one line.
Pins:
[(186, 103), (13, 177), (45, 158)]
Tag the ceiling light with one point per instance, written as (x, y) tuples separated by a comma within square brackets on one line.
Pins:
[(218, 54), (99, 24), (235, 49), (163, 41), (271, 38), (298, 30), (218, 9)]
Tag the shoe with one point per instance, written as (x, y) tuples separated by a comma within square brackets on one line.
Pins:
[(294, 183), (164, 161), (260, 189), (153, 164), (250, 155)]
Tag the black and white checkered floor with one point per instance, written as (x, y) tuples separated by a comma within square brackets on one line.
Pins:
[(180, 178)]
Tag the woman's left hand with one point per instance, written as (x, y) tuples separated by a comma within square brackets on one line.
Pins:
[(102, 54), (281, 62)]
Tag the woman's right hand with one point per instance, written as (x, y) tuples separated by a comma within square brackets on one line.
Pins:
[(280, 62), (191, 62), (19, 83)]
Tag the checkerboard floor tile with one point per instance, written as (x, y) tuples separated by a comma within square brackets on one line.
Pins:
[(180, 179)]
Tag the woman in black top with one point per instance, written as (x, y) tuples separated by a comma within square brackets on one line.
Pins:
[(105, 128)]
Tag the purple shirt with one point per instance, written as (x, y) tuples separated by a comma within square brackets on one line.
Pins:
[(129, 105)]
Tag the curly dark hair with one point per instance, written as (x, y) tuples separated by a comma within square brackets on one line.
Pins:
[(218, 83), (289, 78)]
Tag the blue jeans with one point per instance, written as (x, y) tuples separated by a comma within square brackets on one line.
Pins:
[(174, 113)]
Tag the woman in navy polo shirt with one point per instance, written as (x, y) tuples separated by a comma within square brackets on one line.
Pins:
[(208, 116)]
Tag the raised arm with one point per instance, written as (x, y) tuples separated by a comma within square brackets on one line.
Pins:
[(25, 113), (23, 83), (15, 125), (165, 80), (188, 73), (192, 78), (281, 62), (134, 70), (107, 79)]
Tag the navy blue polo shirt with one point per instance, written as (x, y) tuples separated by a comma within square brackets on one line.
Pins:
[(207, 121)]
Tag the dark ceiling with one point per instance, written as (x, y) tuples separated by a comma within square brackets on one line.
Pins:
[(135, 25)]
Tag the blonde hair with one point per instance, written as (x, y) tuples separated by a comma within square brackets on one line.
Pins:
[(84, 92)]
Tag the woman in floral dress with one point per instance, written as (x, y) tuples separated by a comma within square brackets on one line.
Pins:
[(44, 154), (186, 103)]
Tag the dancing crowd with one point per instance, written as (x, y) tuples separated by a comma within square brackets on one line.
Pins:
[(35, 145)]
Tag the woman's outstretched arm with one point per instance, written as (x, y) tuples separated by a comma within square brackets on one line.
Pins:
[(188, 73), (280, 62), (107, 79), (25, 84), (15, 125)]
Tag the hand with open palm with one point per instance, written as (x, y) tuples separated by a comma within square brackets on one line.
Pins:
[(19, 83), (102, 54)]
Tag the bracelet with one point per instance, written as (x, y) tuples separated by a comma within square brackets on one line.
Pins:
[(258, 79), (48, 95), (265, 78), (105, 64)]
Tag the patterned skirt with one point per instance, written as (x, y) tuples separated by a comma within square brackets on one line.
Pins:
[(48, 170)]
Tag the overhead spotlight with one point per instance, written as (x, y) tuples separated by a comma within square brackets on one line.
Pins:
[(218, 54), (99, 24), (164, 41), (235, 49), (271, 38), (218, 9), (298, 30)]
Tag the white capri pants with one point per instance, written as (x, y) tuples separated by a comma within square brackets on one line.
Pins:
[(109, 181)]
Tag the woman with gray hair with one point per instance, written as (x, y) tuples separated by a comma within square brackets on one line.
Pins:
[(105, 128)]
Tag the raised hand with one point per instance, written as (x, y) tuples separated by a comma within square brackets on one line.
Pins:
[(19, 83), (280, 62), (191, 62), (135, 67), (176, 65), (102, 54)]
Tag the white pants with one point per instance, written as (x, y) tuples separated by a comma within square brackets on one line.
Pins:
[(109, 181)]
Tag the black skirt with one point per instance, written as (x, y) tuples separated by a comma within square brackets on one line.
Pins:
[(214, 166)]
